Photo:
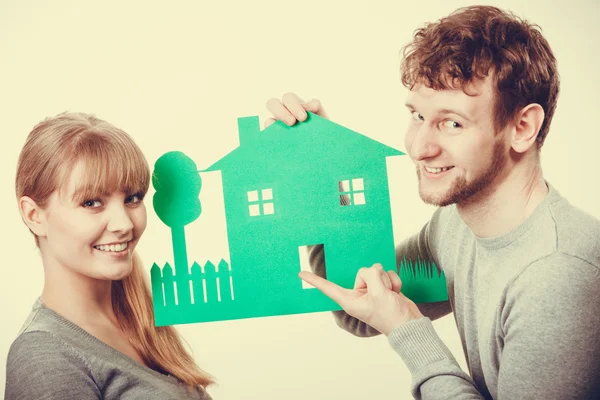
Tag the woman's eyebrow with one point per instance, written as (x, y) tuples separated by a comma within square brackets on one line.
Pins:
[(79, 192)]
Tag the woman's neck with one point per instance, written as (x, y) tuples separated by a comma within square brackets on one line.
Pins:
[(80, 299)]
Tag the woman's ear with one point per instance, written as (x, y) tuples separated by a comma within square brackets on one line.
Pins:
[(526, 127), (33, 216)]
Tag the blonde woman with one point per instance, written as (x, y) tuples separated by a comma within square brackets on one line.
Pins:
[(80, 186)]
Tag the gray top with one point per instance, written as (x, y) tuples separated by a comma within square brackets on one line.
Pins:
[(526, 304), (52, 358)]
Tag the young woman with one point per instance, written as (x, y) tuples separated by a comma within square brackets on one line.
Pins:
[(80, 186)]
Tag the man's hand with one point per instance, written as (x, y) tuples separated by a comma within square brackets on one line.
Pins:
[(376, 299), (291, 108)]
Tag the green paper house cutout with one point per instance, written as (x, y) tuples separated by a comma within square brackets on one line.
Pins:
[(284, 188)]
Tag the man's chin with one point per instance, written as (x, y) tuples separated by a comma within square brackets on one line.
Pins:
[(439, 198), (436, 200)]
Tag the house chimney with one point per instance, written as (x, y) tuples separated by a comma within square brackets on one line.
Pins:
[(248, 128)]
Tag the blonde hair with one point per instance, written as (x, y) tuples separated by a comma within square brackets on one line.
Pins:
[(111, 161)]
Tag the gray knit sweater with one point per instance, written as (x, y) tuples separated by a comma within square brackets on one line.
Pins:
[(54, 359), (526, 304)]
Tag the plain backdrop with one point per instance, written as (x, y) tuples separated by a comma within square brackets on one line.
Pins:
[(176, 76)]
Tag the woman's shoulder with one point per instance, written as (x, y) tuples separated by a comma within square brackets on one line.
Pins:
[(43, 324), (44, 339), (38, 319), (39, 347), (53, 355), (39, 362)]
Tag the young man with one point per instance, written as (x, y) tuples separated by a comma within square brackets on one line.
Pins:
[(522, 264)]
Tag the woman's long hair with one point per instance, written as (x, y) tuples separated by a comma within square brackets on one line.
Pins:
[(112, 161)]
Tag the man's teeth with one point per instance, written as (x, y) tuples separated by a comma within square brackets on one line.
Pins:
[(112, 247), (436, 170)]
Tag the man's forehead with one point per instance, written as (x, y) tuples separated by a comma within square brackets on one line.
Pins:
[(468, 99)]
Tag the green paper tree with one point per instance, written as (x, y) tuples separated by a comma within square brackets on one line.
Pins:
[(177, 184)]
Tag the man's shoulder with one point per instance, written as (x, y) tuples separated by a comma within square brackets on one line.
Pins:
[(557, 278), (577, 232)]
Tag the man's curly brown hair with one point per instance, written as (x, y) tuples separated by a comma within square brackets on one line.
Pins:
[(474, 42)]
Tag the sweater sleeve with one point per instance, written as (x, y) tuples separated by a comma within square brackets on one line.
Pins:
[(550, 340), (416, 247), (42, 367)]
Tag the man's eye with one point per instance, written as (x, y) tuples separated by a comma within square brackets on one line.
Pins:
[(416, 116), (452, 124), (92, 203)]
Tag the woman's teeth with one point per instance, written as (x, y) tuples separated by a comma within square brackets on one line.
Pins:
[(112, 247), (436, 170)]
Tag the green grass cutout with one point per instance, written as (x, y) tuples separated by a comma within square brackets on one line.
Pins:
[(422, 282)]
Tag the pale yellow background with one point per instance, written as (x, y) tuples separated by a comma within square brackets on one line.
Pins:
[(176, 77)]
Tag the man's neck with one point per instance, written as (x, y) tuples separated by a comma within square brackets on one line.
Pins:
[(506, 203)]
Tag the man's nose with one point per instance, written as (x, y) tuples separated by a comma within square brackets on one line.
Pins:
[(425, 144)]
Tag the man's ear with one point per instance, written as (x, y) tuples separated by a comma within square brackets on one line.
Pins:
[(33, 216), (527, 124)]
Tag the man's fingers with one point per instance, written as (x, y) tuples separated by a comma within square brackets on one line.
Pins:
[(330, 289), (315, 106), (292, 108), (390, 279), (385, 278), (396, 282), (268, 122), (280, 112), (359, 282), (374, 279), (294, 105)]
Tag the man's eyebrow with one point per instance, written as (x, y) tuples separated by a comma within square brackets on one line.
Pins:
[(441, 111), (451, 111)]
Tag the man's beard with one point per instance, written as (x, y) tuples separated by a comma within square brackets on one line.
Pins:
[(461, 190)]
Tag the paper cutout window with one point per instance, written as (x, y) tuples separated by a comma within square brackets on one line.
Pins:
[(352, 192), (261, 202)]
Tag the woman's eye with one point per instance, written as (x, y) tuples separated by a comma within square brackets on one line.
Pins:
[(92, 203), (452, 124), (416, 116), (135, 198)]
